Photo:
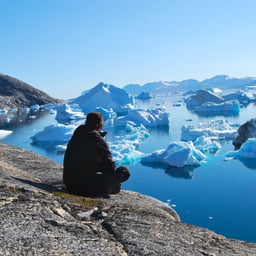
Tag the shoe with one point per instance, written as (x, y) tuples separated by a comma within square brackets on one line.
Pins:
[(115, 189)]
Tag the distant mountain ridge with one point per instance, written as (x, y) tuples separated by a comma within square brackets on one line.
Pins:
[(220, 81), (15, 93)]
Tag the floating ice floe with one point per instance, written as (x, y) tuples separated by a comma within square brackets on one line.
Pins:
[(178, 154), (25, 110), (105, 96), (3, 111), (125, 148), (206, 144), (4, 133), (178, 104), (34, 108), (216, 129), (149, 118)]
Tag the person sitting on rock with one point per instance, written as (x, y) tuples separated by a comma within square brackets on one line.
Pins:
[(89, 168)]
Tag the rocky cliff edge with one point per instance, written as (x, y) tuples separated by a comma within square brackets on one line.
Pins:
[(37, 217)]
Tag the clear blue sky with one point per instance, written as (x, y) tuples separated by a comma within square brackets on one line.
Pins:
[(64, 47)]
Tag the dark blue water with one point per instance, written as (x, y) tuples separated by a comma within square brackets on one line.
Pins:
[(218, 195)]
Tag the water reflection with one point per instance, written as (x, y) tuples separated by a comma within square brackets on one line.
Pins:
[(20, 117), (248, 162), (217, 113), (185, 172)]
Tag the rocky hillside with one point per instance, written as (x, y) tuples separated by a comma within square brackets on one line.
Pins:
[(15, 93), (37, 217)]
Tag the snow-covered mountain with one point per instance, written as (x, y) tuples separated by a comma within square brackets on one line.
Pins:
[(220, 81)]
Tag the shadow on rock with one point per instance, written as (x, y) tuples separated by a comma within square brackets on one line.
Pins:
[(56, 187)]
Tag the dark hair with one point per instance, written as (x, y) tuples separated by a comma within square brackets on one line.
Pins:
[(94, 120)]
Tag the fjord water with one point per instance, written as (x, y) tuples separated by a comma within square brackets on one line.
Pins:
[(218, 195)]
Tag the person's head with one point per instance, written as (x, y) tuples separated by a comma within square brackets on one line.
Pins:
[(94, 121)]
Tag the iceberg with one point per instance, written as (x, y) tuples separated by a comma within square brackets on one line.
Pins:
[(149, 118), (231, 107), (3, 111), (247, 150), (245, 131), (177, 154), (34, 108), (4, 133), (144, 96), (105, 96), (242, 96), (68, 112), (53, 135), (215, 129), (206, 144), (25, 110), (201, 97), (206, 102), (124, 148), (246, 154), (107, 113)]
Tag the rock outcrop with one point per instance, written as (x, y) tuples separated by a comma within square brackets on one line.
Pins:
[(245, 131), (16, 94), (37, 217)]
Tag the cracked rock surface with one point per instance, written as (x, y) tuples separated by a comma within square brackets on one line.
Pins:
[(37, 217)]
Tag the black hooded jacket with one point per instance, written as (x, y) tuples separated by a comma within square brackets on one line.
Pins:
[(87, 153)]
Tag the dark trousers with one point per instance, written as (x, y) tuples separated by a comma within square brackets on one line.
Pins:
[(99, 184)]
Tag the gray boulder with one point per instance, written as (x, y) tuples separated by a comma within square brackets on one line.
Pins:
[(245, 131), (37, 217)]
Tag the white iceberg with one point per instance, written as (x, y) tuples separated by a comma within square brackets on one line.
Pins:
[(201, 97), (25, 110), (34, 108), (245, 131), (4, 133), (107, 113), (106, 96), (3, 111), (124, 148), (149, 118), (68, 112), (206, 144), (177, 154), (244, 97), (228, 107), (215, 129), (247, 150), (53, 135), (9, 118)]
